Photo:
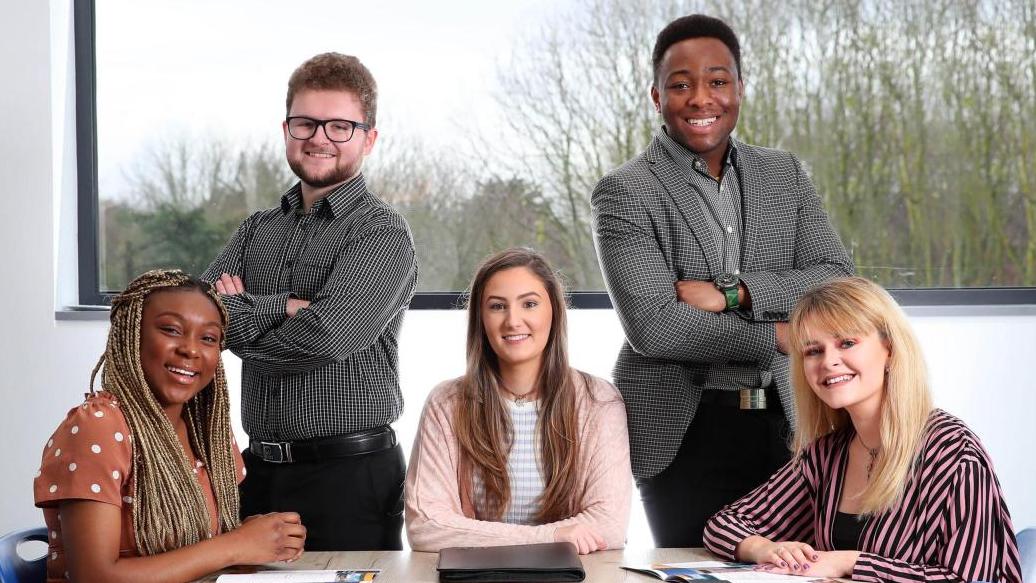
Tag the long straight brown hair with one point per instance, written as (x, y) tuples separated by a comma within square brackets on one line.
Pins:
[(481, 419)]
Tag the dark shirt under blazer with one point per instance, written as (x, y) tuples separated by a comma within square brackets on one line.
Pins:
[(333, 368), (650, 232), (952, 523)]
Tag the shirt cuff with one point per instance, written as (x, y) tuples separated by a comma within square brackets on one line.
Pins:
[(765, 300), (270, 311)]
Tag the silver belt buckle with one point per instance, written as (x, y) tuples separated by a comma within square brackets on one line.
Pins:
[(752, 399), (276, 452)]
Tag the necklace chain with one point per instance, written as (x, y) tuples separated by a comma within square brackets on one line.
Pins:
[(519, 400), (872, 452)]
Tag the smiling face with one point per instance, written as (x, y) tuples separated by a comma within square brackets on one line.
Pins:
[(318, 162), (517, 317), (180, 334), (846, 371), (699, 96)]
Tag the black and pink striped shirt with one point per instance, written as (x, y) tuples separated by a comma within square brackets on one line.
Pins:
[(952, 523)]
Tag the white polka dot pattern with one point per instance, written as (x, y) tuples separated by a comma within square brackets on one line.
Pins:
[(95, 448)]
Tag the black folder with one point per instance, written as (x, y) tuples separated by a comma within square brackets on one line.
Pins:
[(547, 562)]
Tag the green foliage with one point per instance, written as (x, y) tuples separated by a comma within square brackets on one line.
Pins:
[(916, 119)]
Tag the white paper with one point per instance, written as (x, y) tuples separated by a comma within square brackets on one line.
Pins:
[(314, 576)]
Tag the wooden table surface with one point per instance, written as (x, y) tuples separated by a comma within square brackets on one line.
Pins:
[(412, 567)]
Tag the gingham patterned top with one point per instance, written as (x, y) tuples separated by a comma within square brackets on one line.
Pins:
[(720, 204), (331, 369), (650, 232), (952, 523), (523, 466)]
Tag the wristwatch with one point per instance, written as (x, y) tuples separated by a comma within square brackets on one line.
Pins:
[(728, 284)]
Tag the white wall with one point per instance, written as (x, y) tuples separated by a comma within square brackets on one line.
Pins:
[(979, 363)]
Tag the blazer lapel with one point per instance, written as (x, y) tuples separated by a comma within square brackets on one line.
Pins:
[(686, 201), (751, 205)]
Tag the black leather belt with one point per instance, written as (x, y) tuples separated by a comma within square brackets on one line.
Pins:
[(733, 398), (313, 450)]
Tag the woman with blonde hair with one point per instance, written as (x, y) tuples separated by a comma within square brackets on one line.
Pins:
[(522, 448), (883, 486), (139, 482)]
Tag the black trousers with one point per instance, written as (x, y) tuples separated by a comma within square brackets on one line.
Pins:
[(725, 454), (347, 504)]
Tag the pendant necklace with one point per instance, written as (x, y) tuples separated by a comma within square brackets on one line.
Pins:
[(519, 400), (872, 452)]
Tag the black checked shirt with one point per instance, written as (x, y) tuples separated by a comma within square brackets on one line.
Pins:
[(720, 203), (333, 368)]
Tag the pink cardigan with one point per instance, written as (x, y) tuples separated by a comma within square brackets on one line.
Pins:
[(436, 518)]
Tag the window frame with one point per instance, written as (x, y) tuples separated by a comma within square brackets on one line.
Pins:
[(88, 199)]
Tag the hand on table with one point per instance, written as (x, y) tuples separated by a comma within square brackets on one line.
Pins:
[(786, 556), (585, 539), (265, 538), (827, 564)]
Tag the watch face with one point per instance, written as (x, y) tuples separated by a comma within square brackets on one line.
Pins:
[(726, 280)]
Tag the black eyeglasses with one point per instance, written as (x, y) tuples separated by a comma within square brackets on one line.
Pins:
[(336, 130)]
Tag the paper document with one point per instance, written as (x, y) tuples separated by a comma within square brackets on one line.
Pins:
[(336, 576), (718, 571)]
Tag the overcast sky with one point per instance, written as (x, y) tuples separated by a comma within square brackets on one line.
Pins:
[(220, 67)]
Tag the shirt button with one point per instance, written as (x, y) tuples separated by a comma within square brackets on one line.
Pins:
[(730, 229)]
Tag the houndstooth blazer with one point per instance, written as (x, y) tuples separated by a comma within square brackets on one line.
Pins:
[(649, 232)]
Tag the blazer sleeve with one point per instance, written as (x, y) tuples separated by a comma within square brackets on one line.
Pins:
[(782, 508), (642, 287), (819, 256), (979, 538)]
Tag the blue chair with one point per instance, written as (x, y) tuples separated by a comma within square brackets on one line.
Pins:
[(1027, 549), (15, 569)]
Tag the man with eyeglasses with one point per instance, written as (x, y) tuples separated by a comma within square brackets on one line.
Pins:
[(316, 289)]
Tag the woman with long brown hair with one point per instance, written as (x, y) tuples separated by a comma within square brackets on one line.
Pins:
[(522, 448), (139, 482)]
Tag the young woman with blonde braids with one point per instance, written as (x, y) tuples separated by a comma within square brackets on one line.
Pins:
[(139, 483), (883, 486), (522, 448)]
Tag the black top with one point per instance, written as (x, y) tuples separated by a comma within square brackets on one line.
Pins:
[(846, 532), (331, 369)]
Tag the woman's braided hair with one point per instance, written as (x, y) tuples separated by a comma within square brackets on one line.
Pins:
[(168, 506)]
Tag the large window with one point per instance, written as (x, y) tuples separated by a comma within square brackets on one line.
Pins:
[(916, 120)]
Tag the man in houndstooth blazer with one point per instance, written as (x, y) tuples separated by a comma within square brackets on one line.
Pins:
[(697, 205)]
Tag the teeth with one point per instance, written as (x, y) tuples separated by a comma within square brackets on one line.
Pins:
[(838, 379), (182, 371), (702, 122), (516, 337), (320, 154)]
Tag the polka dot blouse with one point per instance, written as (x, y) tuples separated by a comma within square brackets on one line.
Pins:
[(88, 458)]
